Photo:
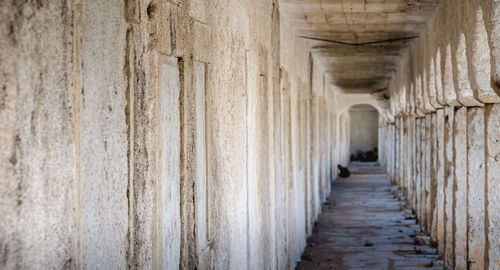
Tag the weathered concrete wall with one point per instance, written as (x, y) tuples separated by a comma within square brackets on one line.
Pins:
[(103, 136), (460, 214), (161, 135), (448, 79), (38, 168), (492, 159)]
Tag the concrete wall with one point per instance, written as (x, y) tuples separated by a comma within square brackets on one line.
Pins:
[(160, 135), (364, 130), (446, 88)]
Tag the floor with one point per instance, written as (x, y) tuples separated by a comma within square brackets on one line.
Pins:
[(364, 226)]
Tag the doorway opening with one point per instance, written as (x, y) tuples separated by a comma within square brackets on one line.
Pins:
[(364, 133)]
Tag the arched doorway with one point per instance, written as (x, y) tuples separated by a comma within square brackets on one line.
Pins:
[(364, 128)]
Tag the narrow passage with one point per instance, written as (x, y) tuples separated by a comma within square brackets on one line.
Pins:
[(364, 226)]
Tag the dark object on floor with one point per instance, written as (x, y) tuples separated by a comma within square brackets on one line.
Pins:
[(306, 257), (368, 244), (369, 156), (344, 172)]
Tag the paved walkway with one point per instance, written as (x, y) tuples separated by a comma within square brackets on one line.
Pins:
[(363, 227)]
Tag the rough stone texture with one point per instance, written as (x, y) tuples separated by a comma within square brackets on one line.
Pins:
[(462, 54), (428, 213), (412, 162), (103, 149), (393, 154), (481, 62), (200, 134), (476, 188), (495, 42), (397, 147), (401, 153), (424, 178), (440, 185), (407, 158), (450, 96), (432, 212), (169, 180), (460, 211), (492, 118), (449, 185), (453, 63), (418, 168), (105, 153), (258, 193), (201, 161), (382, 149), (38, 175), (227, 137), (464, 93)]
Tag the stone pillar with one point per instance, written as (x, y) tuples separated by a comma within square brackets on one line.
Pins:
[(432, 214), (388, 140), (402, 148), (382, 131), (427, 215), (440, 179), (409, 159), (413, 164), (392, 147), (492, 146), (423, 170), (418, 168), (396, 151), (460, 158), (476, 185), (449, 177), (404, 154), (393, 155)]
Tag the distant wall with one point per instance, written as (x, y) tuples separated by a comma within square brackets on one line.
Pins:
[(364, 130)]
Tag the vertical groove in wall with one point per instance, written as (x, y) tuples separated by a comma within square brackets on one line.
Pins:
[(246, 165), (455, 185), (77, 22), (182, 155), (156, 164), (275, 36), (207, 184), (487, 114), (306, 153), (433, 186), (173, 36), (129, 114), (468, 263)]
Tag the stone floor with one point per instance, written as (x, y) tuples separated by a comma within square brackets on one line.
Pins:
[(364, 226)]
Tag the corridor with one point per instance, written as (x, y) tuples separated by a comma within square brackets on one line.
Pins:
[(364, 226), (211, 134)]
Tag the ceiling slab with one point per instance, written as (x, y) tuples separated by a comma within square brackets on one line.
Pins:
[(359, 42)]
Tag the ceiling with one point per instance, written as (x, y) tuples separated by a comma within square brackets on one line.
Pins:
[(359, 42), (363, 107)]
